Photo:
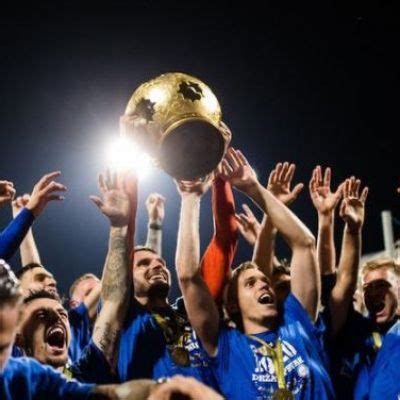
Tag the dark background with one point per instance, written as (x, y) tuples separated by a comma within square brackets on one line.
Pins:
[(309, 83)]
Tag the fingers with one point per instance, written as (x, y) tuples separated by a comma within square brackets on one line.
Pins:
[(297, 189), (283, 171), (327, 177), (287, 179), (101, 184), (55, 197), (248, 211), (47, 178), (52, 187), (364, 194), (97, 201)]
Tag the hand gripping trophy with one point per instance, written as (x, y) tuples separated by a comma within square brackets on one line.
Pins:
[(182, 127)]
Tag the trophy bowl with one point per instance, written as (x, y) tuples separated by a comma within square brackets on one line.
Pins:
[(184, 130)]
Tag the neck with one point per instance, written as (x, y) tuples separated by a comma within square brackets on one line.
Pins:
[(152, 302), (251, 327)]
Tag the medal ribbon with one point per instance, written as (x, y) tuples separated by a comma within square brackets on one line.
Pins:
[(376, 337), (277, 359)]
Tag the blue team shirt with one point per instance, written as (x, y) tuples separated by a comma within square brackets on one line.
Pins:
[(243, 373), (145, 353), (353, 353), (93, 367), (25, 379), (80, 331), (385, 374)]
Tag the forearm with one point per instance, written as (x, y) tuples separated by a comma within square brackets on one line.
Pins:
[(154, 237), (264, 249), (347, 274), (305, 279), (138, 389), (287, 223), (325, 244), (14, 233), (188, 244), (218, 258), (200, 306), (115, 291)]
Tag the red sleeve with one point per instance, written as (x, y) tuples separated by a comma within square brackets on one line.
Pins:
[(218, 257), (132, 190)]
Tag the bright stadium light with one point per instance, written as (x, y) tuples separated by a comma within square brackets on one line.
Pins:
[(124, 154)]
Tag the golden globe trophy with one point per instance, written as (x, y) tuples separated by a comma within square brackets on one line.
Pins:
[(183, 129)]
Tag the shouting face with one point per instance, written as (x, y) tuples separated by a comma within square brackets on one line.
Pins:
[(381, 291), (45, 331)]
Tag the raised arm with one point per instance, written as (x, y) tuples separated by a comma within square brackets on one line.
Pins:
[(218, 258), (155, 210), (200, 305), (305, 282), (28, 250), (43, 192), (352, 211), (117, 275), (279, 184), (7, 192), (325, 202)]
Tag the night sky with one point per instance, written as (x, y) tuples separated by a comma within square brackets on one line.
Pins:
[(312, 84)]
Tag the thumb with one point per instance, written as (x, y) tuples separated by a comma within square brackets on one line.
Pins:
[(342, 209), (297, 189), (97, 200)]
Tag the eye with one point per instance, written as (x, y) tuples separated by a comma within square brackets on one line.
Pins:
[(41, 314), (250, 283)]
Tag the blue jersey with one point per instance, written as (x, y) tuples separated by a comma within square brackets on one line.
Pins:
[(80, 331), (385, 374), (26, 379), (147, 350), (243, 371), (92, 367), (353, 353)]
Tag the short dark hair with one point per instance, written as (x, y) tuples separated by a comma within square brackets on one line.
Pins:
[(143, 248), (77, 281), (9, 284), (27, 268), (41, 294)]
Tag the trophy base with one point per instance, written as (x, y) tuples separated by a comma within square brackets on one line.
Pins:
[(192, 150)]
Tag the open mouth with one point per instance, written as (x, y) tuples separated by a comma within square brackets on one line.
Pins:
[(56, 337), (265, 298), (377, 307), (157, 275)]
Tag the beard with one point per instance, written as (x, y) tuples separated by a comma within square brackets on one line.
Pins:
[(159, 290)]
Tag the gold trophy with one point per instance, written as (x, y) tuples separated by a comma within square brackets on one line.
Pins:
[(183, 129)]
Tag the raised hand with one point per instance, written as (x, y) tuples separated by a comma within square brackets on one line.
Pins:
[(19, 203), (155, 208), (196, 187), (237, 170), (45, 191), (114, 203), (352, 209), (280, 180), (248, 225), (324, 200), (7, 192)]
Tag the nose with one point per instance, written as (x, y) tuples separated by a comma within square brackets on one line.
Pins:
[(50, 282)]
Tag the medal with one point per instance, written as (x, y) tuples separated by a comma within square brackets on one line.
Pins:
[(180, 356), (282, 394)]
